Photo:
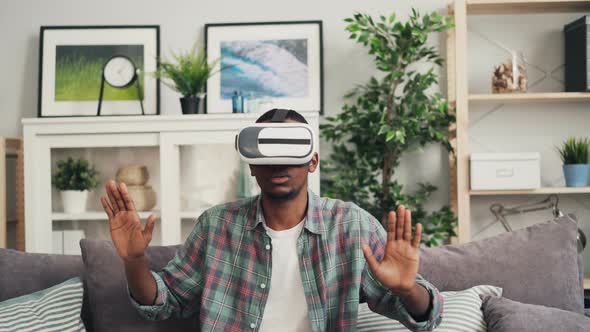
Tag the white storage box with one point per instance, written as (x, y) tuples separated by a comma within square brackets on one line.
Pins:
[(505, 171)]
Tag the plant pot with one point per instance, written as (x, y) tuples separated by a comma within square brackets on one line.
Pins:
[(191, 105), (74, 201), (576, 175)]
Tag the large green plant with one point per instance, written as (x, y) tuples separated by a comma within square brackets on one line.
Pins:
[(189, 72), (75, 174), (386, 117), (574, 151)]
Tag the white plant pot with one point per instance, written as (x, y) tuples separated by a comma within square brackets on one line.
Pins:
[(74, 201)]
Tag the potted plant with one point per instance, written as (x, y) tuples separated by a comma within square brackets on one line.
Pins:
[(188, 75), (574, 154), (74, 178), (394, 112)]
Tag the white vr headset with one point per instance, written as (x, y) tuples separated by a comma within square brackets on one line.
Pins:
[(276, 142)]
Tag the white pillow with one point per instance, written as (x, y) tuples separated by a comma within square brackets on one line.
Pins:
[(462, 312), (57, 308)]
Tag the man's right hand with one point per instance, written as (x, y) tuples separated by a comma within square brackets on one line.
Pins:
[(129, 236)]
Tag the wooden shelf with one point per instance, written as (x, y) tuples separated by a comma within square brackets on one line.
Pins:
[(531, 97), (540, 191), (94, 215), (491, 7)]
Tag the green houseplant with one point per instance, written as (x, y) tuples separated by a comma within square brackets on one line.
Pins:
[(390, 114), (74, 178), (574, 154), (188, 75)]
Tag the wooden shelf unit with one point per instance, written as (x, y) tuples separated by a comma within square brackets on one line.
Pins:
[(459, 97), (496, 7), (544, 97), (539, 191)]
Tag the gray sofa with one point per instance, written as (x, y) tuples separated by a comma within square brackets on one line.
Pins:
[(537, 265)]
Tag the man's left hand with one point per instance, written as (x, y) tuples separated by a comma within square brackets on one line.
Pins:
[(398, 269)]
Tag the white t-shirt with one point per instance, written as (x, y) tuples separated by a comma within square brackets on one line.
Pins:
[(286, 306)]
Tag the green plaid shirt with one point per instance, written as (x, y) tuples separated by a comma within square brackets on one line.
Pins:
[(222, 271)]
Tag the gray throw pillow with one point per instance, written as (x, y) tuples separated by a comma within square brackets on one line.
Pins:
[(29, 273), (505, 315), (107, 290), (536, 265)]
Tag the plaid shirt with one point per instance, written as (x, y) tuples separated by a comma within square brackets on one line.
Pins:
[(222, 270)]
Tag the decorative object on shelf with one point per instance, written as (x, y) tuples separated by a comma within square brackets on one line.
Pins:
[(144, 197), (577, 71), (133, 175), (74, 178), (237, 102), (281, 61), (136, 178), (389, 115), (551, 202), (511, 75), (574, 154), (71, 64), (188, 75), (120, 72), (505, 171)]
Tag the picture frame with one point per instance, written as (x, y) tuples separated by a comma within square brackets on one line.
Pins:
[(71, 60), (272, 64)]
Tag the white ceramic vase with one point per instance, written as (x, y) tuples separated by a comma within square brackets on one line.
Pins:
[(74, 201)]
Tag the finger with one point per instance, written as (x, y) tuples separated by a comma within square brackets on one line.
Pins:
[(371, 260), (106, 207), (399, 231), (118, 197), (126, 198), (149, 227), (110, 189), (408, 226), (391, 226), (417, 236)]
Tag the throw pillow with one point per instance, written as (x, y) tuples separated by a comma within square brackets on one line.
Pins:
[(461, 312), (536, 265), (57, 308), (110, 305), (502, 314)]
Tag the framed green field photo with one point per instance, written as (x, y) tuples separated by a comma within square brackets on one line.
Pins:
[(71, 67)]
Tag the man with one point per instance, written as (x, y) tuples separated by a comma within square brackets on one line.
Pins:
[(286, 260)]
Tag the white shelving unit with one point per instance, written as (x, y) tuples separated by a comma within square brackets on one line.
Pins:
[(167, 134)]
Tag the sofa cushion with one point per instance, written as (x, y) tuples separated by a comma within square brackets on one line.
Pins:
[(57, 308), (536, 265), (505, 315), (461, 313), (29, 273), (110, 305)]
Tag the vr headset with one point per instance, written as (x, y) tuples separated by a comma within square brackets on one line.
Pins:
[(276, 142)]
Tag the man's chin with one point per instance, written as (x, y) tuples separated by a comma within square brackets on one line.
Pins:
[(281, 195)]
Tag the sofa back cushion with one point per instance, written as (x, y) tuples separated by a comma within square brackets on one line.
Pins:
[(536, 265), (110, 305), (25, 273)]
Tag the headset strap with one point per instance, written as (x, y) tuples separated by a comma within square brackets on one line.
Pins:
[(280, 115)]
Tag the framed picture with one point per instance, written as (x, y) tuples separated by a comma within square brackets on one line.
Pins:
[(270, 64), (71, 64)]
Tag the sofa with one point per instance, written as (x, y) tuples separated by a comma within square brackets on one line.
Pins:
[(537, 265)]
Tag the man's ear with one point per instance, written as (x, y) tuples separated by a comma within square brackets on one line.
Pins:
[(313, 163)]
